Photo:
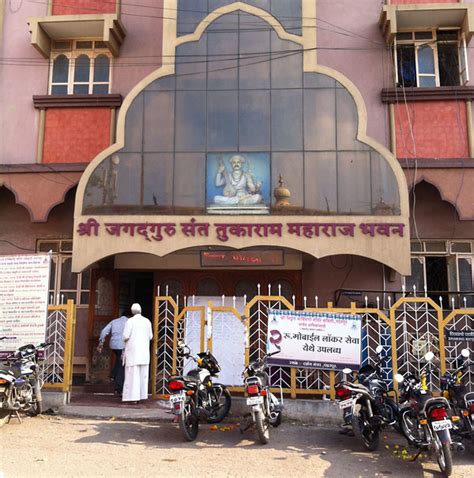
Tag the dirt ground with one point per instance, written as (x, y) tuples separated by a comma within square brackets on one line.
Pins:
[(52, 446)]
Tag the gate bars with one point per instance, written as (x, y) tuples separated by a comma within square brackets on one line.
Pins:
[(56, 367), (407, 330)]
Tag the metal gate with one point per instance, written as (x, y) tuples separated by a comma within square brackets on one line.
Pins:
[(407, 330), (60, 331)]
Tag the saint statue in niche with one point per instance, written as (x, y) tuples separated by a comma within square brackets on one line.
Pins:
[(239, 186)]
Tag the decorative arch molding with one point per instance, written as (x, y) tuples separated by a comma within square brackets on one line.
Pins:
[(450, 184), (39, 194), (87, 250)]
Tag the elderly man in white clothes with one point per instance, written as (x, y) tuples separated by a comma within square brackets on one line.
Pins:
[(136, 356)]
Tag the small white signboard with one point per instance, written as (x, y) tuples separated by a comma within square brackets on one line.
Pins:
[(24, 284), (314, 340)]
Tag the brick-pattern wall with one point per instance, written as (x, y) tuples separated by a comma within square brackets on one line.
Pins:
[(439, 129), (75, 135), (78, 7)]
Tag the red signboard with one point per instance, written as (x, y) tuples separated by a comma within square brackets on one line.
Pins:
[(242, 258)]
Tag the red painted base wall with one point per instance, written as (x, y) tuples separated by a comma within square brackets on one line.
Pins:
[(75, 135), (439, 129), (77, 7)]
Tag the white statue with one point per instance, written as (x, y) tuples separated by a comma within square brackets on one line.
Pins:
[(239, 186)]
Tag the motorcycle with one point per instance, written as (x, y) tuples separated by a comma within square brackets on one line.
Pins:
[(424, 420), (195, 397), (367, 406), (461, 401), (266, 409), (20, 383)]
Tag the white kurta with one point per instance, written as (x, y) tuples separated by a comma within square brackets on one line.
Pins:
[(136, 358)]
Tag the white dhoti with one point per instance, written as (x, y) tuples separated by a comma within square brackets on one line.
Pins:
[(135, 386)]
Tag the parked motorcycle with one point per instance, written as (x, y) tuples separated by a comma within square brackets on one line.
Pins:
[(20, 383), (425, 421), (266, 409), (366, 405), (195, 397), (460, 400)]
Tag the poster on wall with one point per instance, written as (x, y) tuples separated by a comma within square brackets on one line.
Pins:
[(314, 339), (238, 183), (24, 283)]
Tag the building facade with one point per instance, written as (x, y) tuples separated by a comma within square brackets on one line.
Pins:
[(318, 150)]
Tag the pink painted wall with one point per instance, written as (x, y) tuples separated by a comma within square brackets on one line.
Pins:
[(18, 82), (16, 228), (350, 41), (404, 2), (141, 51)]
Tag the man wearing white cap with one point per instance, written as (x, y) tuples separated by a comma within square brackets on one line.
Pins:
[(136, 335)]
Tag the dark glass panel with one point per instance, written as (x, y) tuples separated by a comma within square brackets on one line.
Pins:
[(347, 122), (95, 193), (283, 288), (163, 84), (320, 183), (289, 14), (134, 125), (101, 68), (82, 69), (100, 89), (81, 89), (320, 119), (125, 179), (254, 59), (158, 180), (190, 121), (290, 167), (287, 120), (68, 278), (190, 181), (426, 63), (406, 65), (190, 14), (191, 65), (222, 61), (317, 80), (385, 196), (448, 64), (159, 121), (246, 287), (61, 69), (222, 114), (353, 182), (59, 90), (286, 64), (254, 120)]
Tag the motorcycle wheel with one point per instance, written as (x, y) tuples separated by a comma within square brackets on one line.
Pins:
[(444, 457), (188, 421), (263, 427), (221, 408), (363, 430)]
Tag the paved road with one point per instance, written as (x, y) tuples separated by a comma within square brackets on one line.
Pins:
[(76, 447)]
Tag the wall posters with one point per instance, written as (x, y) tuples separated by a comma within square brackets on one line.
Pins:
[(24, 283), (314, 339)]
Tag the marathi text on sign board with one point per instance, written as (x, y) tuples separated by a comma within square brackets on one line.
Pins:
[(24, 283), (314, 340)]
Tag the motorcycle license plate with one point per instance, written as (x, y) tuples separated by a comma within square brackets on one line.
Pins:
[(178, 398), (442, 425), (346, 403), (254, 400), (2, 389)]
